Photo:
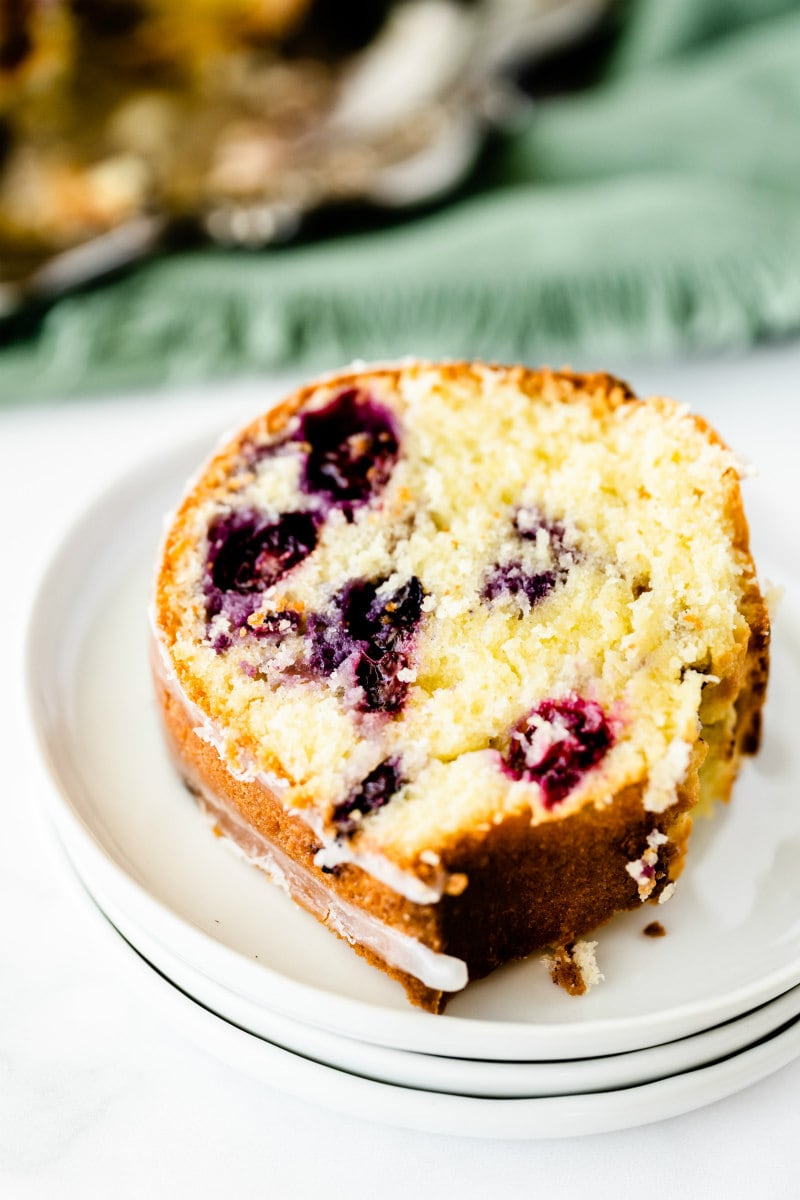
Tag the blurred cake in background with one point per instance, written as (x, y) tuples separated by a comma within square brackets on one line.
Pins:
[(113, 107), (120, 119)]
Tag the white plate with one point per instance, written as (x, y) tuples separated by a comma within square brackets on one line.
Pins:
[(437, 1112), (457, 1076), (733, 927)]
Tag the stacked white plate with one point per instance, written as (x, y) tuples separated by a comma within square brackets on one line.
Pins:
[(679, 1021)]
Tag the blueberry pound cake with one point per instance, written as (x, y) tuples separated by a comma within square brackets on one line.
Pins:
[(452, 651)]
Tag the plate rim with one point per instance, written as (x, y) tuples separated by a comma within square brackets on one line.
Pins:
[(515, 1118), (707, 1046)]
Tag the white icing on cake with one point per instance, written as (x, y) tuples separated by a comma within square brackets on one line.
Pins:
[(442, 972)]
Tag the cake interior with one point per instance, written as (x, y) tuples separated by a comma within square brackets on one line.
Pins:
[(428, 601)]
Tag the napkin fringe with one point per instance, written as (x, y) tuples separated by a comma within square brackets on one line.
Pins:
[(139, 337)]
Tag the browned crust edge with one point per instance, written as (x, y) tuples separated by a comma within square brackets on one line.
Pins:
[(529, 887)]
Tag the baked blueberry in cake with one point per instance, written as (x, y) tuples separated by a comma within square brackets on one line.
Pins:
[(454, 650)]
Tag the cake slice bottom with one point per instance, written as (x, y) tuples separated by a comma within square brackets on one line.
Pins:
[(531, 887)]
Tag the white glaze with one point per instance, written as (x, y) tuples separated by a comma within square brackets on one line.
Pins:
[(337, 851), (441, 972)]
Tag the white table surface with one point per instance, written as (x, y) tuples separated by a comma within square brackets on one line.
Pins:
[(99, 1097)]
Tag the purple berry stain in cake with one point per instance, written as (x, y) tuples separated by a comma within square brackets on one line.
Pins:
[(372, 793), (247, 553), (514, 578), (351, 446), (374, 634), (557, 743)]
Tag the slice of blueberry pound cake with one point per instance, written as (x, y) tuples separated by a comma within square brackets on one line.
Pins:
[(452, 652)]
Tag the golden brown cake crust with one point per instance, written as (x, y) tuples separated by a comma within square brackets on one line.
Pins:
[(517, 886)]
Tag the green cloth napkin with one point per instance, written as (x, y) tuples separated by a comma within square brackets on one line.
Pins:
[(658, 212)]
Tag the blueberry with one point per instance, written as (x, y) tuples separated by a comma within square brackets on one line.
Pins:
[(557, 743), (515, 579), (374, 633), (247, 553), (352, 446), (384, 621), (372, 793)]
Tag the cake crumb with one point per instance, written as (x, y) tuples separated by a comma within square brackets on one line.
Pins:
[(643, 869), (574, 967), (773, 595), (665, 777), (654, 930)]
